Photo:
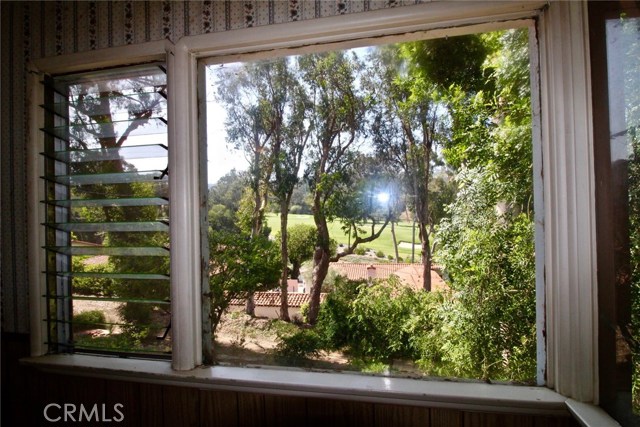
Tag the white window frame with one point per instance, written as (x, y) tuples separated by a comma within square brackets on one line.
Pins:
[(568, 308)]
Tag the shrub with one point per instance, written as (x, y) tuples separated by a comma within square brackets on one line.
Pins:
[(94, 286), (359, 251), (380, 254), (92, 319), (303, 344)]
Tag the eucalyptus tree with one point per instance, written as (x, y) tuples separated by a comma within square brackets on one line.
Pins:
[(338, 119), (288, 148), (256, 96), (408, 122)]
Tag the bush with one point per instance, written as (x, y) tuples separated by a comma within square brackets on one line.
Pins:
[(380, 254), (93, 319), (359, 251), (93, 286), (304, 344)]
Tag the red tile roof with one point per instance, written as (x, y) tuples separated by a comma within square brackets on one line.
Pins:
[(409, 274), (272, 299)]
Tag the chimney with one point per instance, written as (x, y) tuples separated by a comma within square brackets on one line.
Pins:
[(371, 273)]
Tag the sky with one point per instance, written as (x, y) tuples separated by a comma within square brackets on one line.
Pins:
[(220, 158)]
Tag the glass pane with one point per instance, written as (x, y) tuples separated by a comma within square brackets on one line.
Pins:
[(110, 178), (82, 133), (623, 51), (111, 226), (372, 209), (137, 103), (109, 250), (130, 201), (121, 153)]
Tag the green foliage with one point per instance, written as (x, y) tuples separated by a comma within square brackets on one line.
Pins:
[(360, 250), (94, 286), (239, 265), (302, 240), (221, 217), (92, 319), (450, 60), (489, 260), (228, 190), (306, 343), (380, 254)]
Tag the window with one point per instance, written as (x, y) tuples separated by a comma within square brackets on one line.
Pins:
[(617, 157), (418, 151), (106, 198), (566, 301)]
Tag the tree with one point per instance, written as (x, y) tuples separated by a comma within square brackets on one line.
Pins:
[(301, 244), (224, 201), (255, 97), (486, 243), (238, 265), (289, 144), (408, 123), (338, 118)]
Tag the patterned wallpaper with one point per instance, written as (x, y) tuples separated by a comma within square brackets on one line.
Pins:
[(33, 29)]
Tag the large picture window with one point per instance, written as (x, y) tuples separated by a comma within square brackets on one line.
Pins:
[(372, 209)]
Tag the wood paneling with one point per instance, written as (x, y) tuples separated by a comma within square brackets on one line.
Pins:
[(181, 406), (323, 412), (127, 394), (398, 416), (445, 418), (475, 419), (285, 411), (151, 404), (218, 408), (251, 410)]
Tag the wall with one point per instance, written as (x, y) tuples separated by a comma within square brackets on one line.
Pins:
[(33, 30)]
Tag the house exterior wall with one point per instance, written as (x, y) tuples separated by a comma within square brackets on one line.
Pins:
[(33, 30)]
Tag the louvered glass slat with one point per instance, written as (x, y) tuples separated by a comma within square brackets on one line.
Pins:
[(123, 276), (109, 250), (137, 102), (130, 201), (111, 299), (83, 133), (111, 226), (105, 154), (110, 178)]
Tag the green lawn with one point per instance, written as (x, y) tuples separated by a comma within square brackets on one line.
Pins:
[(383, 243)]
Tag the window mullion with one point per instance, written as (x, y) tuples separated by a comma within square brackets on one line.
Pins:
[(185, 211)]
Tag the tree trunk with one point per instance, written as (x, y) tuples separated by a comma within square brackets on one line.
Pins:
[(284, 304), (426, 258), (321, 259), (295, 270), (395, 242), (320, 270), (250, 305)]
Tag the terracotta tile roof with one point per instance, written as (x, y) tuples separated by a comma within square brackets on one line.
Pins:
[(409, 274), (272, 299)]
